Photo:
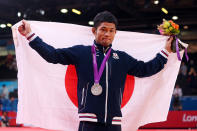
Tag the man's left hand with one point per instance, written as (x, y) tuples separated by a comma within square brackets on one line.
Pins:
[(168, 44)]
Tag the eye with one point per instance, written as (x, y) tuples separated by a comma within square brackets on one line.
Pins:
[(102, 29), (112, 31)]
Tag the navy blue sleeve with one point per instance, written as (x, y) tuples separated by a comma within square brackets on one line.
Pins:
[(63, 56), (145, 69)]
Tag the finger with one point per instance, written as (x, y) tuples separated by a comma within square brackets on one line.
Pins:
[(23, 22), (171, 38), (27, 25), (23, 27), (20, 28)]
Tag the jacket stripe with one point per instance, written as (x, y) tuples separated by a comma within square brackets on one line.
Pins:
[(116, 123), (31, 36), (116, 120), (164, 53), (88, 119), (87, 114)]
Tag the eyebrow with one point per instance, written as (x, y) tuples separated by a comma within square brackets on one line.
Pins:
[(106, 27)]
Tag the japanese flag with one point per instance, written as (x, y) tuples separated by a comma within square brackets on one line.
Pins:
[(47, 92)]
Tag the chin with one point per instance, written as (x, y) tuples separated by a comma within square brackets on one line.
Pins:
[(106, 44)]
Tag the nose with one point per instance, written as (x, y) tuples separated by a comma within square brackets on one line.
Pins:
[(107, 33)]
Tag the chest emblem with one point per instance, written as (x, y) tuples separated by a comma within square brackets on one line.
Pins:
[(115, 56)]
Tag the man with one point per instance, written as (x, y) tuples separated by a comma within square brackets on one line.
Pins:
[(5, 92), (101, 72)]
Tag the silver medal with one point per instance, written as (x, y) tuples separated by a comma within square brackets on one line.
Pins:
[(96, 89)]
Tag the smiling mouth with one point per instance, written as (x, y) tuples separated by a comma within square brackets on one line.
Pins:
[(106, 39)]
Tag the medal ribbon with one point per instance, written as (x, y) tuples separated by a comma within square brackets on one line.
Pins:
[(97, 75)]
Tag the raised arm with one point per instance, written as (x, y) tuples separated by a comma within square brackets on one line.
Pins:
[(145, 69), (63, 56)]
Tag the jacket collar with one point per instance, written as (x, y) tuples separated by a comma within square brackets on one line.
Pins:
[(101, 47)]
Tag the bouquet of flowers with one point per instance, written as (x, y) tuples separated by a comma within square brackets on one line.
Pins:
[(169, 28)]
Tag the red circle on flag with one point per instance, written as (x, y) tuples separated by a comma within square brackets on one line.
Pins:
[(71, 86)]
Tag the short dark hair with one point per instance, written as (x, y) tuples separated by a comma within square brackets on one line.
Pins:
[(105, 16)]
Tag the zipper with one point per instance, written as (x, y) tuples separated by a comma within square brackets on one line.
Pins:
[(106, 99), (85, 89), (82, 97), (120, 97)]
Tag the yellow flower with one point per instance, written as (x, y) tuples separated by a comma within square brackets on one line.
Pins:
[(166, 24), (170, 28), (167, 31)]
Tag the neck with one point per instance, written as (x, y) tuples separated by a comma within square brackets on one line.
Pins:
[(99, 44), (102, 47)]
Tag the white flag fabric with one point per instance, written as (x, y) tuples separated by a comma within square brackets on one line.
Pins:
[(43, 99)]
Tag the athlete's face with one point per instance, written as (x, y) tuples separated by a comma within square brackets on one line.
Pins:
[(104, 33)]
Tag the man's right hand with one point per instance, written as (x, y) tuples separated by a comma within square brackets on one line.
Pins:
[(25, 28)]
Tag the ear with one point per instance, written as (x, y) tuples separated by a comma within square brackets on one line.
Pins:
[(94, 30)]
